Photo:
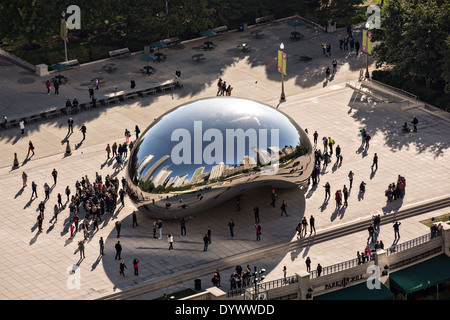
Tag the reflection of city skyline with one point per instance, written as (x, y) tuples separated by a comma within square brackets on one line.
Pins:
[(162, 176)]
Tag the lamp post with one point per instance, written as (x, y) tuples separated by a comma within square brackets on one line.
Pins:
[(258, 277), (283, 96), (63, 26)]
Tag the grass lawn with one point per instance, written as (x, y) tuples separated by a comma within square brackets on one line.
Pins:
[(441, 218)]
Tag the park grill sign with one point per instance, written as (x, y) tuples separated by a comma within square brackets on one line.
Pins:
[(343, 283)]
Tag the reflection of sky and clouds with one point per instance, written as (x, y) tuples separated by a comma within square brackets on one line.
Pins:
[(153, 153)]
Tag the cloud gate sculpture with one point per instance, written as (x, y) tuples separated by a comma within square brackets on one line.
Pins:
[(205, 152)]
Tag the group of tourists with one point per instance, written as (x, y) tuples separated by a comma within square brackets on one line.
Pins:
[(223, 89)]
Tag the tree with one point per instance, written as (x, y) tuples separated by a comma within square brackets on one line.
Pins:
[(413, 38)]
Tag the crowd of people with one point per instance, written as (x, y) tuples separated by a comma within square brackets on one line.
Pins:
[(223, 89)]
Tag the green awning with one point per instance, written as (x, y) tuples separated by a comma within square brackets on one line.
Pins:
[(422, 275), (358, 292)]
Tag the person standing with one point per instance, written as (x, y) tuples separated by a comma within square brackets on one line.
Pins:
[(48, 86), (178, 73), (327, 190), (274, 198), (256, 213), (159, 226), (68, 106), (55, 176), (258, 232), (118, 226), (338, 153), (132, 83), (22, 126), (334, 63), (205, 242), (415, 122), (102, 246), (81, 248), (312, 224), (118, 248), (46, 191), (283, 208), (231, 227), (357, 48), (114, 149), (345, 194), (96, 83), (136, 266), (371, 232), (308, 264), (70, 124), (30, 148), (396, 227), (108, 151), (83, 131), (375, 162), (122, 268), (40, 219), (24, 179), (91, 92), (315, 135), (350, 178), (138, 131), (304, 226), (170, 239), (68, 193), (94, 101), (209, 234), (319, 269), (56, 86)]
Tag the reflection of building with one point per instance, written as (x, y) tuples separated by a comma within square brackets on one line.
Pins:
[(179, 180), (161, 176), (143, 164), (288, 149), (217, 171), (154, 167), (198, 174)]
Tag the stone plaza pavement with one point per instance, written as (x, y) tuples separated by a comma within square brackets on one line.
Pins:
[(36, 266)]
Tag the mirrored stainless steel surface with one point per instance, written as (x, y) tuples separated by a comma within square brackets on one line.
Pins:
[(205, 152)]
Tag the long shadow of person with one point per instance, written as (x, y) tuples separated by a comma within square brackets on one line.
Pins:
[(19, 193)]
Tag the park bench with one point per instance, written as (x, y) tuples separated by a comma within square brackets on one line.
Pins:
[(71, 63), (12, 123), (119, 53), (107, 101), (165, 87), (34, 117), (265, 19), (146, 92), (221, 29), (52, 112), (171, 41), (130, 95)]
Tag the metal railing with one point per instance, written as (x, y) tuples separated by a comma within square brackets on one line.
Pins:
[(269, 285), (341, 266), (412, 243), (406, 93)]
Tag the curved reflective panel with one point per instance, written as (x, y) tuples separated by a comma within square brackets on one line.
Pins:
[(210, 150)]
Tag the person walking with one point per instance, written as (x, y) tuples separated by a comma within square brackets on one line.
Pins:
[(136, 266), (118, 248), (102, 246), (55, 176), (22, 126), (256, 213), (258, 232), (312, 225), (283, 208), (30, 148), (170, 239), (34, 189), (396, 227), (118, 226), (308, 264), (24, 179), (122, 268), (134, 217), (231, 227), (375, 162), (81, 249), (83, 131)]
